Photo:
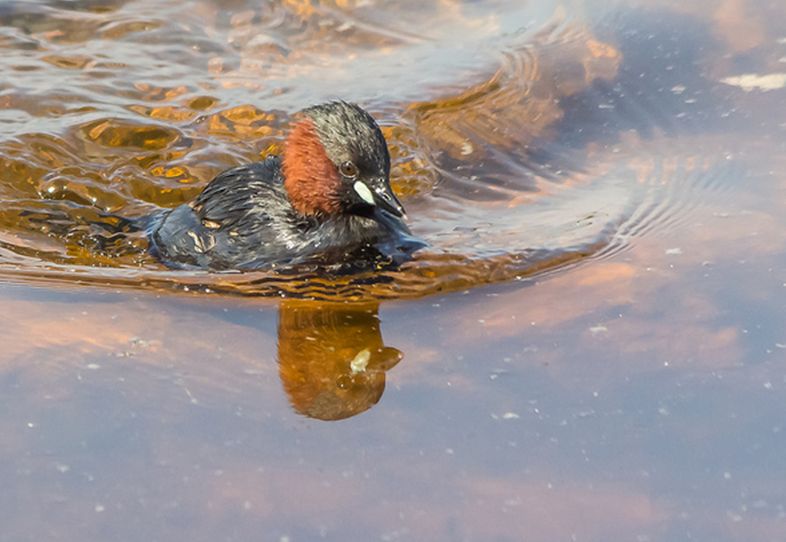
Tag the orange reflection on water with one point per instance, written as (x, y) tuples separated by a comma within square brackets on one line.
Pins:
[(332, 360)]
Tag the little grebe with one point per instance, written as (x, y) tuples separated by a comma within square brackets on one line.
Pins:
[(326, 201)]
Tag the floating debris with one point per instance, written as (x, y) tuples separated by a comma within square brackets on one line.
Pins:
[(751, 81)]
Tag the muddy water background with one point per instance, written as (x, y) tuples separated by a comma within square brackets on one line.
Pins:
[(593, 348)]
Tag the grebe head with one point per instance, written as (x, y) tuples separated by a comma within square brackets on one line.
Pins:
[(336, 161)]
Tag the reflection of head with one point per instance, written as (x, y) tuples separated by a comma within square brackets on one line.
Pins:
[(331, 358)]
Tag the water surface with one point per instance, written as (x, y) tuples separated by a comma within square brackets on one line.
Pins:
[(592, 347)]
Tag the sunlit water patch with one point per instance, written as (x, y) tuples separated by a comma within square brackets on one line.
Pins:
[(521, 144)]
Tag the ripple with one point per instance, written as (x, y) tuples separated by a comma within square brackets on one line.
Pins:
[(116, 133), (550, 145)]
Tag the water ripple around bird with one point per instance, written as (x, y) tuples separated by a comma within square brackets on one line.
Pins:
[(520, 145)]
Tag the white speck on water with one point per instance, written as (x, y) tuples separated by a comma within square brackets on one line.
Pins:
[(727, 475), (510, 416), (93, 366), (663, 411), (780, 345), (398, 534), (678, 89), (768, 385), (99, 508), (676, 251), (191, 397), (598, 329), (62, 468), (31, 425)]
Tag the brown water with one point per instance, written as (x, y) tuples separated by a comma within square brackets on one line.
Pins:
[(592, 348)]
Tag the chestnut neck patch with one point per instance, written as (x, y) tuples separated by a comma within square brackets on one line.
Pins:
[(310, 178)]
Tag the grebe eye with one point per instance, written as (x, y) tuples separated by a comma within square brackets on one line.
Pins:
[(348, 169)]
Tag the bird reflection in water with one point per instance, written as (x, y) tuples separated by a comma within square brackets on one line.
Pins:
[(332, 360)]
